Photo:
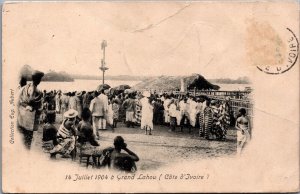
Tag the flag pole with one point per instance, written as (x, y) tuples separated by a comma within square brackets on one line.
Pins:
[(103, 68)]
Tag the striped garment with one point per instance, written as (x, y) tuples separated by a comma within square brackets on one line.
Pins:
[(64, 132), (115, 108), (66, 140), (138, 112), (208, 121), (225, 112), (216, 114), (201, 123), (217, 122)]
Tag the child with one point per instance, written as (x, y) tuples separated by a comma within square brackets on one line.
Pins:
[(115, 108), (49, 135)]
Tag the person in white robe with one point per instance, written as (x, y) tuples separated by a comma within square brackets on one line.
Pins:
[(192, 112), (166, 109), (147, 114)]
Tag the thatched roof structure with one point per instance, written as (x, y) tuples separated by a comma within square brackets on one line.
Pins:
[(167, 83), (200, 83)]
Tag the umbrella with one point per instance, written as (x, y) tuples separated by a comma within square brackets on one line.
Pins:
[(122, 87), (113, 91), (128, 91), (119, 89), (103, 86)]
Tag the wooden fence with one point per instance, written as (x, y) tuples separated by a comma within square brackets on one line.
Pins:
[(238, 100), (221, 94)]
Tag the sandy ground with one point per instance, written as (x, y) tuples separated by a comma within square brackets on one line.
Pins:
[(162, 147)]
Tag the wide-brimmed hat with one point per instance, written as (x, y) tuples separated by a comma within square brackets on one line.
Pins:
[(71, 113), (146, 94)]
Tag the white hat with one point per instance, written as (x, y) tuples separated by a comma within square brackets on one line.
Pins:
[(71, 113), (78, 93), (146, 94)]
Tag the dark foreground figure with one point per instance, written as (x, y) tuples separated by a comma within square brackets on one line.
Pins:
[(116, 159)]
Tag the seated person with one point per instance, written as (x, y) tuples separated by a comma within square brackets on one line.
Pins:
[(49, 134), (86, 138), (66, 134), (123, 161)]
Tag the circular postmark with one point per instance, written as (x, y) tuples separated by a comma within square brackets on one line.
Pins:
[(283, 64)]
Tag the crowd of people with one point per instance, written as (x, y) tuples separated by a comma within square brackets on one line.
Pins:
[(85, 113), (77, 131), (211, 117)]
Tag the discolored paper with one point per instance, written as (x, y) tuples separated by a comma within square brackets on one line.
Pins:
[(159, 40)]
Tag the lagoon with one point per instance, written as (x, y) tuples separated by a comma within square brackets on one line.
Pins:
[(90, 85)]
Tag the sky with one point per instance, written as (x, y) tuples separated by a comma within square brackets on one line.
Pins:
[(146, 38)]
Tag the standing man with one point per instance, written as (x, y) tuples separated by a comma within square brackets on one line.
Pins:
[(78, 103), (166, 109), (104, 102), (58, 102), (86, 100), (99, 107), (29, 108), (64, 103), (185, 119)]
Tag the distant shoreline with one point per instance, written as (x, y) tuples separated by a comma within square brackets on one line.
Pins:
[(213, 81), (53, 76)]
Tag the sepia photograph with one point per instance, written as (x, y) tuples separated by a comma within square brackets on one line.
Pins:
[(150, 96)]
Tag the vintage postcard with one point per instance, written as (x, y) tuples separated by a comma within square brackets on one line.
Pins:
[(142, 96)]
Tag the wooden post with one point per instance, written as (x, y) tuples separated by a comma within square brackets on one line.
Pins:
[(103, 67)]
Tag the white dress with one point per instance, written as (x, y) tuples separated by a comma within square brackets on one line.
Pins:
[(192, 112), (110, 114), (243, 137), (166, 112), (147, 114)]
